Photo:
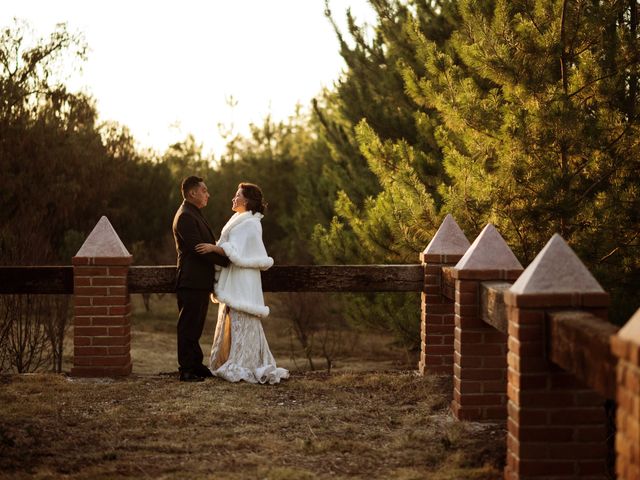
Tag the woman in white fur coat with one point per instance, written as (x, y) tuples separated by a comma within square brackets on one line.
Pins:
[(240, 350)]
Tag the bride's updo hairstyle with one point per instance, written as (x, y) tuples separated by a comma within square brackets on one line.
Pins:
[(253, 194)]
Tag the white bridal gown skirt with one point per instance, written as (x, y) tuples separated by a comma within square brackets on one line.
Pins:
[(240, 350)]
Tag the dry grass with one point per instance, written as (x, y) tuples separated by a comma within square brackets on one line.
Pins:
[(350, 424)]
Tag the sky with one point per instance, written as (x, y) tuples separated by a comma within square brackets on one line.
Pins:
[(166, 69)]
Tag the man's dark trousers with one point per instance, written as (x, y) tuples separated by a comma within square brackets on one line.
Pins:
[(192, 306)]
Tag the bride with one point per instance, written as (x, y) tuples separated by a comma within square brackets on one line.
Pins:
[(240, 350)]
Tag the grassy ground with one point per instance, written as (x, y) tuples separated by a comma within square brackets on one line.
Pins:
[(369, 418)]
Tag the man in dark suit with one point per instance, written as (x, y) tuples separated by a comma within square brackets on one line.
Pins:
[(194, 278)]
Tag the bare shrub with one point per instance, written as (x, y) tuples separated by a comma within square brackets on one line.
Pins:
[(316, 326), (56, 325), (27, 345)]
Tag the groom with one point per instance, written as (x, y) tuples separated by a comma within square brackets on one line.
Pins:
[(194, 277)]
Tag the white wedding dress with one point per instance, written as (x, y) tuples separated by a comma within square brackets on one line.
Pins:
[(240, 350)]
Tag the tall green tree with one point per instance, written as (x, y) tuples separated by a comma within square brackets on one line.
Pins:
[(388, 213), (539, 129)]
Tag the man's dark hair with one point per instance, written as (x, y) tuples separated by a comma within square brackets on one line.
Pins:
[(190, 183)]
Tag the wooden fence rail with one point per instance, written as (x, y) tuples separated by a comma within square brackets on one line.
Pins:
[(294, 278)]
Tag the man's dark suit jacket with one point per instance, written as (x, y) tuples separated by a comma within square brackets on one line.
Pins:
[(195, 270)]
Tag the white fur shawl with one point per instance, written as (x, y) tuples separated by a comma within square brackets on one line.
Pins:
[(239, 285)]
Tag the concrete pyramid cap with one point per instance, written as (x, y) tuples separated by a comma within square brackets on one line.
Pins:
[(448, 240), (556, 269), (489, 251), (103, 241), (631, 330)]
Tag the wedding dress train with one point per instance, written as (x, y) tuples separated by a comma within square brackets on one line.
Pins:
[(240, 350)]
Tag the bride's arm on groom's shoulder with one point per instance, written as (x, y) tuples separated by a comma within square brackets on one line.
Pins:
[(203, 248)]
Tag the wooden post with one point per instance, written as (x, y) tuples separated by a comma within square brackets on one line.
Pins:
[(102, 307), (556, 426), (626, 346), (480, 358), (445, 249)]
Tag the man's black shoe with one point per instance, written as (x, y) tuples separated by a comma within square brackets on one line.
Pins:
[(190, 377), (203, 372)]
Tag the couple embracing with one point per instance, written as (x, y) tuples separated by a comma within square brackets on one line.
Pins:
[(231, 269)]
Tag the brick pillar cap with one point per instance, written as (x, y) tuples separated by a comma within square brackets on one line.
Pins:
[(103, 241), (448, 240), (631, 330), (489, 252), (556, 270)]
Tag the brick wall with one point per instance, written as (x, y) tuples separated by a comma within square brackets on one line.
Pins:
[(102, 306)]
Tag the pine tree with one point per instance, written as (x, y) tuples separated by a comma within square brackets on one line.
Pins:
[(539, 130)]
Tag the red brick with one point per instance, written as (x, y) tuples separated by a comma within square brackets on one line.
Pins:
[(112, 260), (526, 349), (82, 321), (82, 301), (431, 290), (544, 433), (442, 330), (590, 433), (595, 468), (466, 298), (88, 351), (496, 386), (90, 331), (440, 309), (494, 336), (495, 362), (578, 416), (467, 413), (481, 399), (119, 331), (91, 291), (81, 281), (467, 287), (545, 399), (79, 261), (109, 281), (533, 451), (546, 468), (468, 336), (478, 373), (469, 322), (110, 321), (479, 349), (85, 311), (467, 310), (527, 332), (90, 271), (119, 310), (112, 300), (576, 451), (467, 360), (77, 340), (122, 350)]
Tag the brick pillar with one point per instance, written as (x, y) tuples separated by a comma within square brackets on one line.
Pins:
[(436, 320), (626, 346), (480, 358), (102, 307), (556, 426)]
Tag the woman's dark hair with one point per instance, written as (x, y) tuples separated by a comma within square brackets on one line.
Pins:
[(253, 194), (189, 183)]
